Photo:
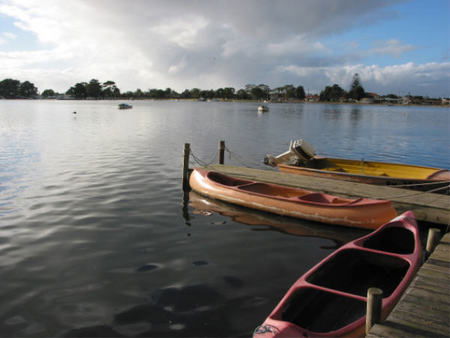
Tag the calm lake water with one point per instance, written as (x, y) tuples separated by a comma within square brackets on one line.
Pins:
[(95, 237)]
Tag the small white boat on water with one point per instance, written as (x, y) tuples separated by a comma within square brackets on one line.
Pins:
[(125, 106), (263, 108)]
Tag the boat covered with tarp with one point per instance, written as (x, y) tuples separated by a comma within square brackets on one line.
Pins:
[(125, 106)]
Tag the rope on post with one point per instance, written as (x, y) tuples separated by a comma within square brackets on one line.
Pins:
[(374, 302), (203, 163), (240, 160)]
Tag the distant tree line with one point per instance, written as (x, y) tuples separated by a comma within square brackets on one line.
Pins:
[(108, 89), (13, 89), (94, 89), (10, 89)]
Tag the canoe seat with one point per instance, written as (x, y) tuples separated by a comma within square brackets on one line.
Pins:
[(317, 197)]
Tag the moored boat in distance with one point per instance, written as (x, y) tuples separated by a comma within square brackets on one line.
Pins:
[(330, 299), (293, 202), (125, 106), (301, 159)]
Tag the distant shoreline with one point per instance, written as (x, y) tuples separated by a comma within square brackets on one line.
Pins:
[(235, 100)]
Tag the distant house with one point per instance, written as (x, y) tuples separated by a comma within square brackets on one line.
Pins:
[(278, 94), (406, 100), (312, 98), (374, 96), (392, 100), (367, 100)]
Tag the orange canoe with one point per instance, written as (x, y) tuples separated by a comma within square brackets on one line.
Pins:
[(293, 202)]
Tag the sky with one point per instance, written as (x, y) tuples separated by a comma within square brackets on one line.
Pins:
[(399, 47)]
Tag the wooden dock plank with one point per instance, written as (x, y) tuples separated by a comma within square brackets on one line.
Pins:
[(426, 206), (424, 310)]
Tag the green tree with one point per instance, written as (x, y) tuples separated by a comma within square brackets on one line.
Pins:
[(27, 89), (109, 89), (94, 88), (195, 93), (9, 88), (228, 93), (300, 93), (78, 91), (289, 92), (220, 93), (333, 93), (138, 93), (258, 94), (186, 94), (242, 95), (48, 93), (356, 90)]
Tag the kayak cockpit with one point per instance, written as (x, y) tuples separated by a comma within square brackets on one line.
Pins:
[(320, 311), (393, 239), (354, 271), (276, 191)]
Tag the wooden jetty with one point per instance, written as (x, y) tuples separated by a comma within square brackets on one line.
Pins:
[(424, 309), (427, 207)]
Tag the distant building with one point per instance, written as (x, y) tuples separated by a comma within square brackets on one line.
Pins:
[(312, 98), (367, 100), (65, 97)]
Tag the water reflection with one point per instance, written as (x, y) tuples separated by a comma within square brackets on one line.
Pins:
[(188, 311), (333, 111), (339, 235), (355, 115)]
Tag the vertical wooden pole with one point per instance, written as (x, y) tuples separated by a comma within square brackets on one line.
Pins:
[(373, 310), (432, 240), (221, 152), (186, 155)]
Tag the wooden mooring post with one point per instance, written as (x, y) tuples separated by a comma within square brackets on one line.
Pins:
[(221, 152), (186, 155), (432, 240), (374, 300)]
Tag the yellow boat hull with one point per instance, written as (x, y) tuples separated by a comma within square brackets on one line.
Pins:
[(382, 173)]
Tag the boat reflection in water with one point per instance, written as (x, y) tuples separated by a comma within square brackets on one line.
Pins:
[(205, 206)]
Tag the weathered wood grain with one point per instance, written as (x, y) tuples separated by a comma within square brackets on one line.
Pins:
[(424, 310)]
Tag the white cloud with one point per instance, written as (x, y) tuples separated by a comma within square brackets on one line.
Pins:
[(207, 44), (5, 37), (392, 47), (400, 79)]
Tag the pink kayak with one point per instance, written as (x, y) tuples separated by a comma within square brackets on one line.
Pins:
[(330, 299)]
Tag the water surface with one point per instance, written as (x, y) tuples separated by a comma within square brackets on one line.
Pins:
[(95, 239)]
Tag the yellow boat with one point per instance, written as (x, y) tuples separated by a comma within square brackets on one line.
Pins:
[(301, 159)]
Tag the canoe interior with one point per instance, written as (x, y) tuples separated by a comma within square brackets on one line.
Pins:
[(321, 311), (393, 239), (276, 191), (226, 180), (372, 168), (354, 271)]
